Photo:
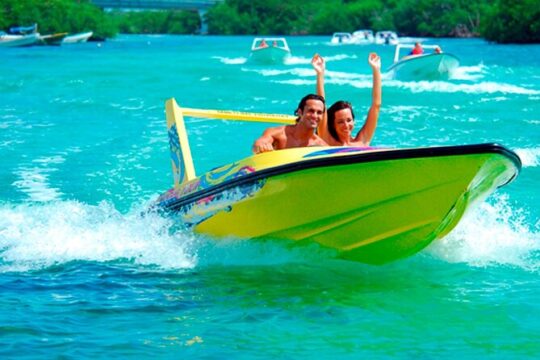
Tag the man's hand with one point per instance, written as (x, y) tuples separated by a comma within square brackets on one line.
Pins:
[(318, 63), (262, 145)]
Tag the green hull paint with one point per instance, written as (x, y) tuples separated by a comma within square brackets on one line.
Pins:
[(372, 212)]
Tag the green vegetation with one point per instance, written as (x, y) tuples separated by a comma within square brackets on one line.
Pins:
[(73, 16), (157, 22), (501, 21), (53, 16), (504, 21), (513, 21)]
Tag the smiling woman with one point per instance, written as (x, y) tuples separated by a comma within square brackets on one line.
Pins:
[(337, 125)]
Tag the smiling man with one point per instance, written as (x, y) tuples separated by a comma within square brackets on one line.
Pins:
[(310, 112)]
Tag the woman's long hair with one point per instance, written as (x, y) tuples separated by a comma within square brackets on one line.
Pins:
[(331, 116)]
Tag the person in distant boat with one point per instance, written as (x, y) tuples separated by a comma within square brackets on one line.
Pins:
[(263, 44), (337, 125), (417, 50), (437, 50), (310, 112), (274, 44)]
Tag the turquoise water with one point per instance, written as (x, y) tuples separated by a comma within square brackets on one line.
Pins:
[(83, 152)]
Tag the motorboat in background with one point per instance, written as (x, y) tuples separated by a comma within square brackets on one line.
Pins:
[(359, 37), (363, 37), (77, 38), (340, 38), (386, 38), (269, 50), (20, 36), (436, 65), (9, 40)]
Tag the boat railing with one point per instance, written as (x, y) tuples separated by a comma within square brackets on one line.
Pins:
[(280, 41), (23, 30), (237, 115), (409, 46), (182, 162)]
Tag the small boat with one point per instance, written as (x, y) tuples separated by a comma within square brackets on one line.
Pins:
[(77, 38), (52, 39), (371, 205), (340, 38), (269, 50), (19, 36), (363, 37), (386, 38), (10, 40), (427, 66)]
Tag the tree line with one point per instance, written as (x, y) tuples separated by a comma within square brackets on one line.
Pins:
[(73, 16), (503, 21)]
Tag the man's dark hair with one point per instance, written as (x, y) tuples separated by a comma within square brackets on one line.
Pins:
[(302, 103)]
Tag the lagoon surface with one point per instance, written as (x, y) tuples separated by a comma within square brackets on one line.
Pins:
[(84, 151)]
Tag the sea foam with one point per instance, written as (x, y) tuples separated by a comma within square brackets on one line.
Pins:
[(231, 61), (36, 236), (529, 157), (485, 87), (492, 234)]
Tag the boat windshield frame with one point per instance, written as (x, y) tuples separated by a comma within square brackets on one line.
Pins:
[(280, 41)]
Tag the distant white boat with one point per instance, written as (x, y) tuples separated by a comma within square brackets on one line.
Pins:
[(386, 38), (436, 65), (9, 40), (364, 36), (269, 50), (339, 38), (19, 36), (77, 38)]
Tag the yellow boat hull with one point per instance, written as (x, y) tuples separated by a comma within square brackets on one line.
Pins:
[(370, 205)]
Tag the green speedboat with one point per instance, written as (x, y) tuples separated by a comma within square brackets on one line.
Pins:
[(370, 205)]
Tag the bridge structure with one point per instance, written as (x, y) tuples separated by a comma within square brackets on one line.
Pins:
[(199, 5)]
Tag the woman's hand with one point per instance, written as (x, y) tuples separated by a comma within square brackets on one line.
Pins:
[(374, 61)]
